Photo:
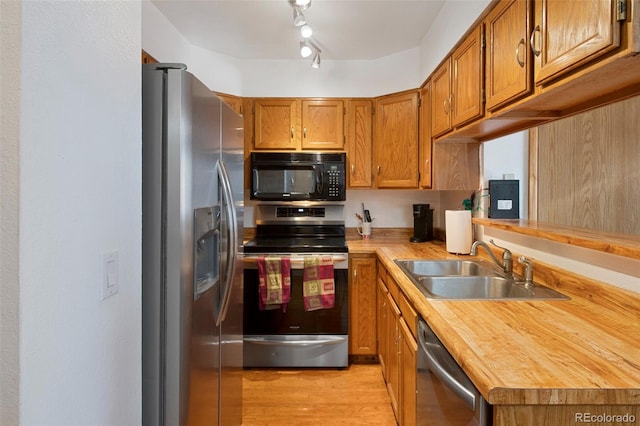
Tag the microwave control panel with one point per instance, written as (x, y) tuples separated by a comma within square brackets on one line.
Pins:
[(335, 179)]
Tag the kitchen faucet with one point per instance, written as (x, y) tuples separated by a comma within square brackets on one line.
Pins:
[(507, 258)]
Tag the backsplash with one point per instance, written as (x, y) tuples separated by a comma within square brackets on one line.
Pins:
[(390, 208)]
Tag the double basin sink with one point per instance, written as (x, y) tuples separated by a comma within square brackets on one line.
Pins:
[(471, 280)]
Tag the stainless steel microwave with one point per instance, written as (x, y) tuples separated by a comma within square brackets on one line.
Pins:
[(298, 176)]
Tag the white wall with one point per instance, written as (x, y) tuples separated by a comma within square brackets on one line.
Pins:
[(296, 78), (453, 20), (508, 155), (10, 26), (80, 178)]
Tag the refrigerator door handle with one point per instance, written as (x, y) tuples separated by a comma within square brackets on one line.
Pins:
[(232, 251)]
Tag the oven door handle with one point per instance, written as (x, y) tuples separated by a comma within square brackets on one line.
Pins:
[(296, 262), (268, 342), (441, 372)]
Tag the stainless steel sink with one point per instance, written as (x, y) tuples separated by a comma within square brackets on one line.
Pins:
[(446, 267), (470, 288), (470, 280)]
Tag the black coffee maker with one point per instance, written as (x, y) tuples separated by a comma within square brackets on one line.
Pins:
[(422, 223)]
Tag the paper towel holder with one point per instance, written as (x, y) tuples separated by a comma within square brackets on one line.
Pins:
[(458, 231)]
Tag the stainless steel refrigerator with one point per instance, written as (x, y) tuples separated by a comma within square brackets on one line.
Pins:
[(192, 226)]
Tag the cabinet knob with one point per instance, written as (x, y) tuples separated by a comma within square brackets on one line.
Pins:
[(378, 169), (521, 63), (304, 132), (292, 133), (532, 40), (353, 168)]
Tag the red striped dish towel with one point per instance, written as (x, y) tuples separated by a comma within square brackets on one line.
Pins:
[(318, 285), (274, 282)]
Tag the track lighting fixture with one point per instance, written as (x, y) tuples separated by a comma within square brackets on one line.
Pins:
[(307, 47)]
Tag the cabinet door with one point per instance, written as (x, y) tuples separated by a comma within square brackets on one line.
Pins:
[(441, 99), (425, 136), (456, 166), (408, 351), (383, 341), (359, 143), (393, 357), (570, 33), (275, 124), (362, 306), (322, 124), (468, 79), (508, 56), (396, 141), (234, 102)]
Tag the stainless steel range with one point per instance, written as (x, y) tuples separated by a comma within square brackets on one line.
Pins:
[(295, 337)]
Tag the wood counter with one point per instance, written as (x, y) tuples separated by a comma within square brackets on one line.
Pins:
[(579, 352)]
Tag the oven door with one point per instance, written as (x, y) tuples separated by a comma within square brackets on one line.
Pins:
[(295, 337), (286, 182)]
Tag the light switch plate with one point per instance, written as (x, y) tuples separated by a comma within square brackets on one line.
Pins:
[(110, 274)]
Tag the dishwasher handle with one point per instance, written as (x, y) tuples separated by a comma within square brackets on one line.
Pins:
[(462, 391)]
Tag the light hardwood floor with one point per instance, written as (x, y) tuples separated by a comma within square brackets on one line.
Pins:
[(352, 396)]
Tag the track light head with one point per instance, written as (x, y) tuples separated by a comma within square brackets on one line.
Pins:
[(305, 49), (298, 18), (306, 31), (316, 60)]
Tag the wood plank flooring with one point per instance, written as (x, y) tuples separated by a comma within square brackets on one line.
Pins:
[(352, 396)]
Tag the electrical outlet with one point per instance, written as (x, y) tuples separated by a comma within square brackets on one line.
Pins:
[(110, 274)]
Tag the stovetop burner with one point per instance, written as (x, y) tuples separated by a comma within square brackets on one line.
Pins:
[(297, 245), (315, 229)]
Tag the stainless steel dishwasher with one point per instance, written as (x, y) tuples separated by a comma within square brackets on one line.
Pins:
[(445, 395)]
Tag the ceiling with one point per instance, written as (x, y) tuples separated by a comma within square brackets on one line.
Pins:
[(263, 29)]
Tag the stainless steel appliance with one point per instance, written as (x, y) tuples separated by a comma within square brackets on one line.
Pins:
[(295, 337), (192, 223), (298, 176), (445, 395)]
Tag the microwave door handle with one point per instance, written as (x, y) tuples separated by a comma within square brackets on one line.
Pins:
[(232, 249), (458, 388), (319, 181)]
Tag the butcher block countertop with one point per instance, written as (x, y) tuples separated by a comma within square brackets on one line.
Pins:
[(583, 351)]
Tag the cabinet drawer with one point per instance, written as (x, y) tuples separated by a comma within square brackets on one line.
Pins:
[(409, 314)]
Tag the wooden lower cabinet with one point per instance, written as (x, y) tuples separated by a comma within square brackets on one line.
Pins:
[(398, 348), (383, 347), (393, 358), (408, 353), (362, 305)]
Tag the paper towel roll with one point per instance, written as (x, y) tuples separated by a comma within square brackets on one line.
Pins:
[(458, 231)]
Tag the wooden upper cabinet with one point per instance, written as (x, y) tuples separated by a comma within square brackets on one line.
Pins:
[(468, 79), (323, 124), (441, 99), (359, 143), (425, 136), (396, 141), (313, 124), (570, 33), (508, 55), (457, 86), (148, 59), (275, 124), (234, 102)]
